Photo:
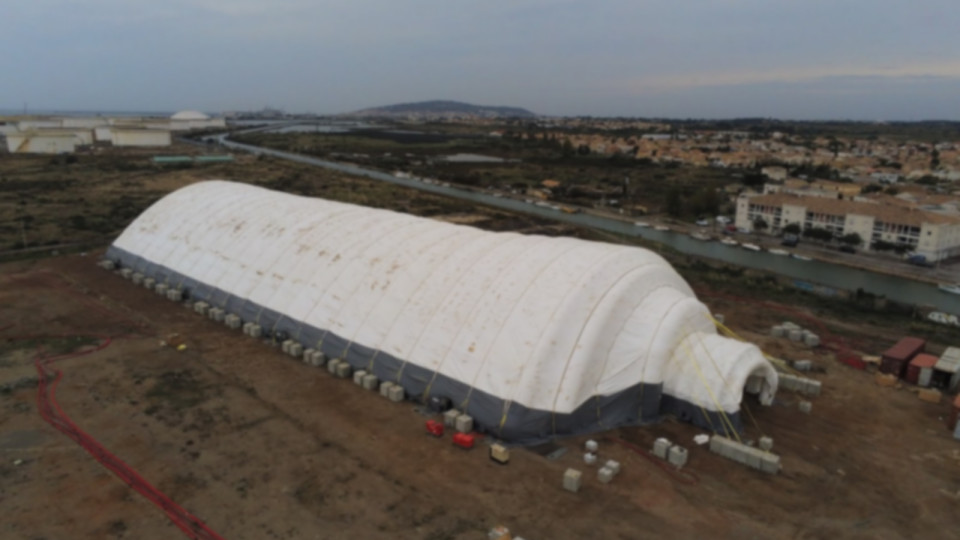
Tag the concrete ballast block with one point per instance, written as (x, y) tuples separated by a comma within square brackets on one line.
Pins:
[(802, 365), (572, 480), (201, 308), (661, 447), (450, 418), (344, 370), (175, 295), (464, 423), (232, 321), (358, 376), (766, 444), (216, 314), (161, 289), (590, 458), (370, 381), (148, 283), (308, 356), (396, 393), (318, 359), (805, 407), (107, 264), (137, 278), (332, 365), (777, 331), (285, 346), (613, 466), (591, 446), (295, 350), (385, 388), (605, 475), (256, 331), (126, 273), (678, 456), (795, 335)]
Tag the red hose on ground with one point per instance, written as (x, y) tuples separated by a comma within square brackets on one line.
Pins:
[(53, 414)]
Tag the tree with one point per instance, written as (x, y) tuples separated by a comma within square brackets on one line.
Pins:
[(792, 228), (674, 201), (760, 224), (871, 188), (817, 233), (567, 148), (934, 159), (852, 239)]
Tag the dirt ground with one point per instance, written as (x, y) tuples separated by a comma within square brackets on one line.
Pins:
[(260, 446)]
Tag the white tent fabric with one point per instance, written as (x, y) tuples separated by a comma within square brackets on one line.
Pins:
[(546, 323)]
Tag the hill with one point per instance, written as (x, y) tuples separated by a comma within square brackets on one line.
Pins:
[(444, 108)]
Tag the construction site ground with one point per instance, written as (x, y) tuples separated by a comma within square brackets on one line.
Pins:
[(259, 446)]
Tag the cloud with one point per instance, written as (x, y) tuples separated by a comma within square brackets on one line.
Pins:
[(734, 77)]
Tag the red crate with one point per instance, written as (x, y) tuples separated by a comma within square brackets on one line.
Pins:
[(435, 428), (464, 440)]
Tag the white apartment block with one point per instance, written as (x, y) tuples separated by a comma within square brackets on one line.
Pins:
[(932, 234)]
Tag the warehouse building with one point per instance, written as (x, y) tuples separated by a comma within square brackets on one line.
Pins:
[(125, 136), (42, 142), (532, 336)]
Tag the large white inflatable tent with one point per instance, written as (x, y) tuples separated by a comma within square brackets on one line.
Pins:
[(532, 336)]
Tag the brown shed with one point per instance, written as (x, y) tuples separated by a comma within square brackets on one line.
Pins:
[(896, 358)]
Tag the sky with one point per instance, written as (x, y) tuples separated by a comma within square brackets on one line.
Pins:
[(790, 59)]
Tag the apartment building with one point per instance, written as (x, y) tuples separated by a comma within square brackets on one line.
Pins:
[(934, 234)]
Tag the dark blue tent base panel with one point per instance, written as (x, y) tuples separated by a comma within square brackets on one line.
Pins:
[(640, 404)]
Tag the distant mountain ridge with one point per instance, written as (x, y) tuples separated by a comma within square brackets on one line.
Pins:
[(444, 108)]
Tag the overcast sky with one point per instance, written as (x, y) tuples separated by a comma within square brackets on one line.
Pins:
[(809, 59)]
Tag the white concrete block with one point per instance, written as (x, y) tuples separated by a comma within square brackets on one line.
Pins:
[(605, 475), (464, 423), (137, 278), (613, 466), (358, 377), (385, 387), (295, 350), (232, 321), (661, 447), (678, 456), (765, 444), (161, 289), (285, 346), (592, 446), (396, 393), (370, 381), (332, 365), (201, 308), (307, 355), (344, 370), (126, 273), (148, 283), (572, 480), (805, 407), (590, 458), (450, 418)]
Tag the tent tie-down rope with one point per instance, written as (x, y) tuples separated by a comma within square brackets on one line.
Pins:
[(774, 360)]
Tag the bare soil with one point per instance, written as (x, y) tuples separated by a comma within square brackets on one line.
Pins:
[(261, 446)]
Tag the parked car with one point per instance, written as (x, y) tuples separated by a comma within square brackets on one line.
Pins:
[(919, 260), (790, 240), (702, 222), (847, 249)]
